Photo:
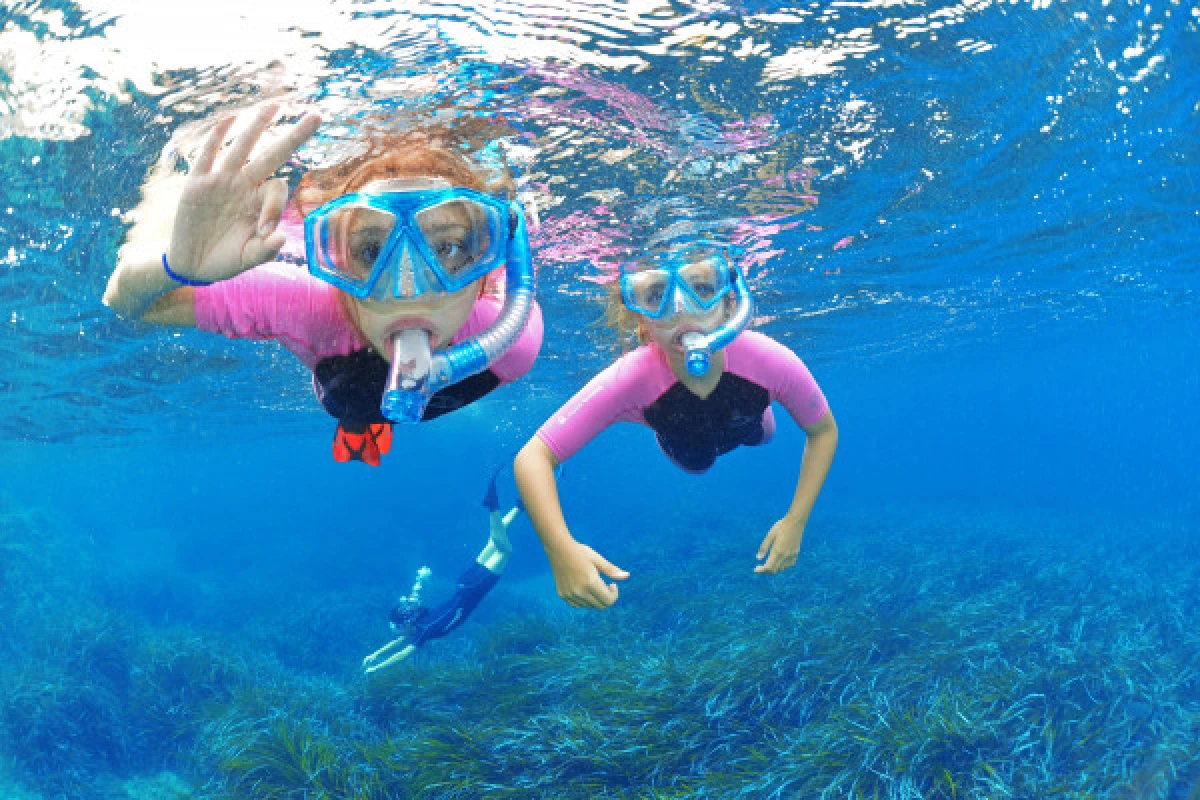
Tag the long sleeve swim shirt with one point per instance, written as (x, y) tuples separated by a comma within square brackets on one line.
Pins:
[(640, 387)]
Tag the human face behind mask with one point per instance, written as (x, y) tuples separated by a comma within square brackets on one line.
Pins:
[(668, 331), (676, 295), (411, 254)]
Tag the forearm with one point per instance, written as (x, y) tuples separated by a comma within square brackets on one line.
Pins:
[(814, 468), (139, 281), (534, 473), (139, 288)]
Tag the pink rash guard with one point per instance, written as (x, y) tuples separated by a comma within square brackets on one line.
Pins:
[(282, 302), (640, 387)]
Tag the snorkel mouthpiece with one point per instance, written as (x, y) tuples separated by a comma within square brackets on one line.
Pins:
[(696, 355), (407, 391), (699, 347)]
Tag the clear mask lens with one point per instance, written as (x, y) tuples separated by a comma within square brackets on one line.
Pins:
[(351, 241), (458, 234), (693, 287), (400, 244)]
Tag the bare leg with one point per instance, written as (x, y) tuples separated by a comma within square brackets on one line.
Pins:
[(495, 555)]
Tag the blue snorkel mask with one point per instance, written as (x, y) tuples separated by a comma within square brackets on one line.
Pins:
[(408, 238), (692, 279)]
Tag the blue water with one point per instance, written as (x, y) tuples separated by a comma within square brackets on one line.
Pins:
[(978, 225)]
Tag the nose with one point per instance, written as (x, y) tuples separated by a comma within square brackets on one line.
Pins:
[(407, 284), (678, 302), (400, 281)]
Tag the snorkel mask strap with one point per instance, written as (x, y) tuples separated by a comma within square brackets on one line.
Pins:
[(699, 347), (405, 401)]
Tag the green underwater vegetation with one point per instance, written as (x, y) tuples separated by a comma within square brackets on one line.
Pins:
[(931, 655)]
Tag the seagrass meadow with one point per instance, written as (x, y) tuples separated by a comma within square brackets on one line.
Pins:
[(913, 655)]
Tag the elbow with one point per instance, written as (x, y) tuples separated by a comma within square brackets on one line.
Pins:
[(112, 299), (525, 460), (118, 301), (123, 310), (534, 458), (109, 298), (521, 464), (824, 432)]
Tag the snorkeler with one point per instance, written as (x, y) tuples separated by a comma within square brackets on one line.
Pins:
[(418, 295), (417, 624), (701, 382)]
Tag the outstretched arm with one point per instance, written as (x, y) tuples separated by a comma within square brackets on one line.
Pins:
[(782, 544), (577, 567), (225, 218)]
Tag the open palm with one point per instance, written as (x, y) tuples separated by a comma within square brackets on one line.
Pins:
[(229, 209)]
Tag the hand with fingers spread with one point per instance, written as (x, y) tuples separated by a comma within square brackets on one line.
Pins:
[(230, 206), (577, 576), (416, 258)]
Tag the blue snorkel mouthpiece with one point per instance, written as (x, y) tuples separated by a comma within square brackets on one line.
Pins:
[(416, 374), (695, 357), (699, 347)]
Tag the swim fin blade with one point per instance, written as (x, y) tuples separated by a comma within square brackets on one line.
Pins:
[(365, 445)]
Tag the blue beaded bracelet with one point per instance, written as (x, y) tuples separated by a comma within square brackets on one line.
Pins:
[(179, 278)]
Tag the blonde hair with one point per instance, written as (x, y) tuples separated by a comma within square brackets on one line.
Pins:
[(625, 323)]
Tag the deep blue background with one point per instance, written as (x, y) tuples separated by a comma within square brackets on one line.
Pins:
[(1092, 419)]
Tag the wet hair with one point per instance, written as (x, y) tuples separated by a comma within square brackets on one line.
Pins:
[(430, 151), (407, 615), (625, 323)]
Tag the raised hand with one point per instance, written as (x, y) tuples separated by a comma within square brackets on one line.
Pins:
[(230, 206)]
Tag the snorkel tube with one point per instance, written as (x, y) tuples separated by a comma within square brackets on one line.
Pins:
[(415, 375), (699, 347)]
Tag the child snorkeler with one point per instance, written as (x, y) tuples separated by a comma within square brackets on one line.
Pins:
[(417, 624), (418, 298), (701, 382)]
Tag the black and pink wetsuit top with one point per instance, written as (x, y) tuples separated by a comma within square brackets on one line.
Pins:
[(692, 430), (281, 302)]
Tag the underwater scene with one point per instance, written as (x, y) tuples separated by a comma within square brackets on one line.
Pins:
[(969, 230)]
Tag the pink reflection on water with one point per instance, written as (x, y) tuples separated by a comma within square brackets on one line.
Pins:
[(755, 235), (637, 108), (749, 134), (631, 118), (582, 236)]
